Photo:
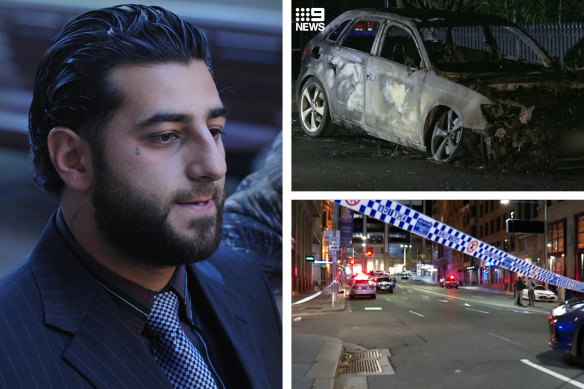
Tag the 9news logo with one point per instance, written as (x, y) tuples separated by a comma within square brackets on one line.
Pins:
[(309, 19)]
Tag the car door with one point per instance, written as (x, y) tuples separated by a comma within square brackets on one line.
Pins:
[(347, 60), (394, 81)]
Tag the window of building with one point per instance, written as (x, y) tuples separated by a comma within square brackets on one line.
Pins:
[(580, 231), (556, 237)]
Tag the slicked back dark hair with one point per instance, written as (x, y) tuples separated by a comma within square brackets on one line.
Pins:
[(72, 87)]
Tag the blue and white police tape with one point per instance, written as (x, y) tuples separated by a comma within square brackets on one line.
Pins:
[(396, 214)]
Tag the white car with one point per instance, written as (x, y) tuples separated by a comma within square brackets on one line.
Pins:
[(541, 294), (362, 287)]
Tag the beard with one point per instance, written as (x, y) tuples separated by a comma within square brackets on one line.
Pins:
[(137, 227)]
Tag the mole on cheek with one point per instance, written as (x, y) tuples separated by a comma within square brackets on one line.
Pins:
[(137, 151)]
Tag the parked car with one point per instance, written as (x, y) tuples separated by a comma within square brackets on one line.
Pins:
[(384, 284), (441, 82), (362, 287), (565, 329), (541, 294)]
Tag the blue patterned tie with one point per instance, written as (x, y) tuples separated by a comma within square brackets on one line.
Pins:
[(174, 352)]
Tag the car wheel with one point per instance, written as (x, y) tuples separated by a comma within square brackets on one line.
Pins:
[(313, 108), (446, 136)]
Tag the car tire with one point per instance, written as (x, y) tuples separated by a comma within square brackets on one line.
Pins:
[(446, 135), (313, 109)]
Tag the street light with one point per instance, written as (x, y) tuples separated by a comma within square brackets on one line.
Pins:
[(405, 246)]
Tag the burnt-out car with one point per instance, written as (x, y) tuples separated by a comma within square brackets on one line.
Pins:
[(442, 82)]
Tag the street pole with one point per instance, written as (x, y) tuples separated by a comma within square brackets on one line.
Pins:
[(334, 262), (545, 234)]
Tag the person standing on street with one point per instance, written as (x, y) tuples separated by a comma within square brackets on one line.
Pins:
[(531, 291), (129, 285), (519, 286)]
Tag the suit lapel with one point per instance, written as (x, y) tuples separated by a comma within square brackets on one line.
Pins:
[(109, 353), (104, 349), (229, 309)]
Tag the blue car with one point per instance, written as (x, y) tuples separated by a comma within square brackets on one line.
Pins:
[(384, 284), (565, 326)]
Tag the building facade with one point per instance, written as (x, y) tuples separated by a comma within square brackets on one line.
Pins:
[(560, 250)]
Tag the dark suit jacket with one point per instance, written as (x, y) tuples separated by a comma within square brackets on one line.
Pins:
[(60, 329)]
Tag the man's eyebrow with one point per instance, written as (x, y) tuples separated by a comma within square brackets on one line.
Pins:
[(162, 117), (217, 112)]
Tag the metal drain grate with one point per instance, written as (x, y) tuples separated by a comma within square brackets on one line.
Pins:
[(366, 362), (364, 366), (369, 354)]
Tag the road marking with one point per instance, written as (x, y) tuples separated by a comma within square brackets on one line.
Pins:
[(467, 305), (507, 340), (553, 374), (373, 308), (478, 310), (444, 301), (307, 298), (425, 298), (503, 304), (416, 313)]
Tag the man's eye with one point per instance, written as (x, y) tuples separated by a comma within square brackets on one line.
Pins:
[(216, 132), (167, 137)]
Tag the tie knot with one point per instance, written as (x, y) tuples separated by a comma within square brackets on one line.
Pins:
[(163, 317)]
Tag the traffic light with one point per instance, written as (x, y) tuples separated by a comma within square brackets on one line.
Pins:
[(369, 252), (352, 261)]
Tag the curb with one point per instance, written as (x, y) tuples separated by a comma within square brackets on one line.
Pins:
[(315, 358)]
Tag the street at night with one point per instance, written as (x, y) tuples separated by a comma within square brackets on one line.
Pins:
[(442, 338), (421, 293)]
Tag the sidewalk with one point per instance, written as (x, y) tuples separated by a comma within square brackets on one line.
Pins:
[(315, 358)]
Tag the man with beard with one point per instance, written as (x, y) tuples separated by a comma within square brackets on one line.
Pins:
[(128, 286)]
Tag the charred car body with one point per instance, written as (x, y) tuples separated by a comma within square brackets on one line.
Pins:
[(442, 82)]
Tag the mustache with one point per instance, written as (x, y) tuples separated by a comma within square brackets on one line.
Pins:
[(198, 191)]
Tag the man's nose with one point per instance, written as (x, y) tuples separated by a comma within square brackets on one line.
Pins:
[(206, 158)]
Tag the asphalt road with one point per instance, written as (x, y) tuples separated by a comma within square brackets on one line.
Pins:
[(448, 338), (357, 162)]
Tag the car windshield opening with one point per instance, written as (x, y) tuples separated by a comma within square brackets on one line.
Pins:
[(482, 49)]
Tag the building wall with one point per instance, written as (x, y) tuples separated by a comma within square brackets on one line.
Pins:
[(307, 233)]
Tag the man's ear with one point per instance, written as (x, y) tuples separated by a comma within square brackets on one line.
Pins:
[(71, 156)]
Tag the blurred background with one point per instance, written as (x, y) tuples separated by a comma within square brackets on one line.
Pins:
[(246, 47)]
